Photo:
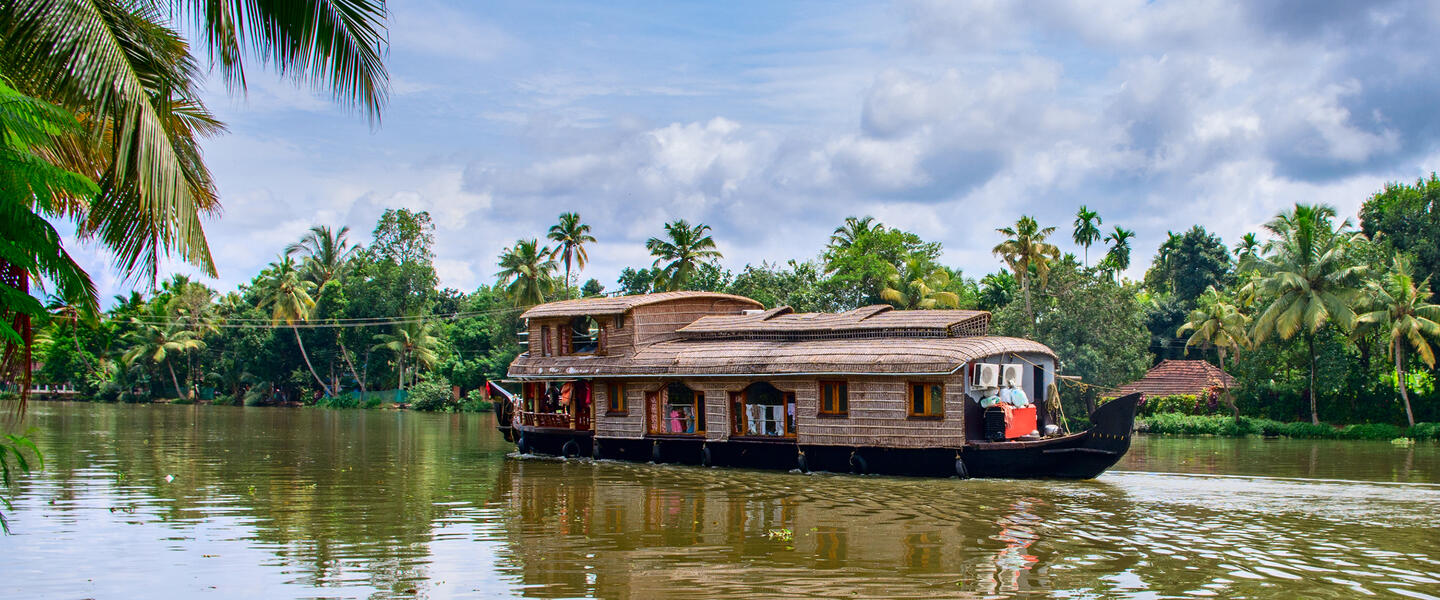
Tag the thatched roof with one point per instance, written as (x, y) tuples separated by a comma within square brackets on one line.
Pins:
[(893, 356), (1177, 377), (869, 321), (617, 305)]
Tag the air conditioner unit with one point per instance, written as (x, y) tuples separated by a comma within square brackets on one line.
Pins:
[(986, 376), (1013, 375)]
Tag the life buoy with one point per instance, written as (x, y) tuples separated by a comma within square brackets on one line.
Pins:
[(858, 465), (960, 470), (706, 459), (570, 449)]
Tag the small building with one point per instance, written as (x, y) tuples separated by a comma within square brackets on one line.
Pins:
[(1178, 378)]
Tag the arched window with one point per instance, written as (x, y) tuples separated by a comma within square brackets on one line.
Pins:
[(762, 409), (676, 408)]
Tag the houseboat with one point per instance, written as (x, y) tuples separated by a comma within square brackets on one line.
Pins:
[(716, 379)]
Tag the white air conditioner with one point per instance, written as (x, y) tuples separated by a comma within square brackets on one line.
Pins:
[(986, 376), (1014, 374)]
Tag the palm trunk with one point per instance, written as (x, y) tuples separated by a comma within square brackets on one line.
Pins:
[(176, 380), (1314, 415), (567, 277), (1400, 379), (305, 356), (346, 353), (1029, 312)]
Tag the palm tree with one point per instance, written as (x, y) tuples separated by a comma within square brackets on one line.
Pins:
[(1402, 306), (127, 69), (1308, 279), (854, 228), (570, 237), (415, 341), (1216, 322), (33, 189), (1025, 249), (159, 345), (1119, 253), (325, 253), (288, 297), (918, 286), (1086, 230), (687, 248), (527, 273), (1247, 250)]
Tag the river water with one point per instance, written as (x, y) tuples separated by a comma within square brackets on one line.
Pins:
[(224, 502)]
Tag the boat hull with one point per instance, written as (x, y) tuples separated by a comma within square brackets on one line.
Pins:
[(1082, 455)]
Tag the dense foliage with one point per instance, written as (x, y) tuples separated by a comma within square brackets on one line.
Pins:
[(1313, 318)]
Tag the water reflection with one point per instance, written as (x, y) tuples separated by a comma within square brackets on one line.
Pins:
[(185, 501)]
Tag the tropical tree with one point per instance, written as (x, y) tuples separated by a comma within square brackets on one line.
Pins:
[(159, 345), (1402, 306), (33, 189), (570, 237), (1118, 256), (1307, 279), (853, 230), (287, 296), (1247, 251), (1025, 249), (527, 272), (687, 247), (919, 285), (413, 341), (325, 253), (127, 69), (1216, 323), (1087, 231)]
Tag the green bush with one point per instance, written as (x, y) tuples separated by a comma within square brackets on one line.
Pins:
[(431, 395), (475, 402), (344, 400), (224, 400), (134, 397), (1179, 404), (184, 400), (1371, 431), (1307, 431), (1424, 431), (372, 401)]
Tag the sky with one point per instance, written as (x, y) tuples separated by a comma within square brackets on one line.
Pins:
[(773, 121)]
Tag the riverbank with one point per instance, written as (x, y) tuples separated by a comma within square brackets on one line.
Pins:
[(1226, 426)]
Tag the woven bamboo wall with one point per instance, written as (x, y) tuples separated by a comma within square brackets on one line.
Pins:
[(631, 425), (658, 322), (879, 416)]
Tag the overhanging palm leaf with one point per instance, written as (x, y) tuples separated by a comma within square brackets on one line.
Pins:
[(1402, 306), (686, 249)]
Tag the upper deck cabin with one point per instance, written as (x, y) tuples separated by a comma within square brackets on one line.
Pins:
[(616, 326)]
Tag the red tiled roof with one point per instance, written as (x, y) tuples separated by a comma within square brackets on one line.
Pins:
[(1178, 377)]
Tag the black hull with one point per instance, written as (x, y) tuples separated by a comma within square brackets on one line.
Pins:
[(1083, 455)]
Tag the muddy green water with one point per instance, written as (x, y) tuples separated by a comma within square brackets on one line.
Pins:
[(216, 502)]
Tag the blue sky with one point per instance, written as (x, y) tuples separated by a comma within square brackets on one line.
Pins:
[(774, 121)]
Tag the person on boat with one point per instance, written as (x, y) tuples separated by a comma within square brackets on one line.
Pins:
[(676, 426)]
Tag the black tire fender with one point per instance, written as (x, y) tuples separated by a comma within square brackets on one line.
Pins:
[(571, 449), (706, 458), (801, 463), (960, 470), (858, 465), (655, 451), (522, 444)]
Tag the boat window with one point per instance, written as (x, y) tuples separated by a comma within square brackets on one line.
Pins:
[(584, 336), (927, 399), (678, 409), (544, 340), (834, 398), (615, 397), (763, 410)]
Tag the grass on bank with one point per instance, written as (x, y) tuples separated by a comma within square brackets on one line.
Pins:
[(1226, 426)]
